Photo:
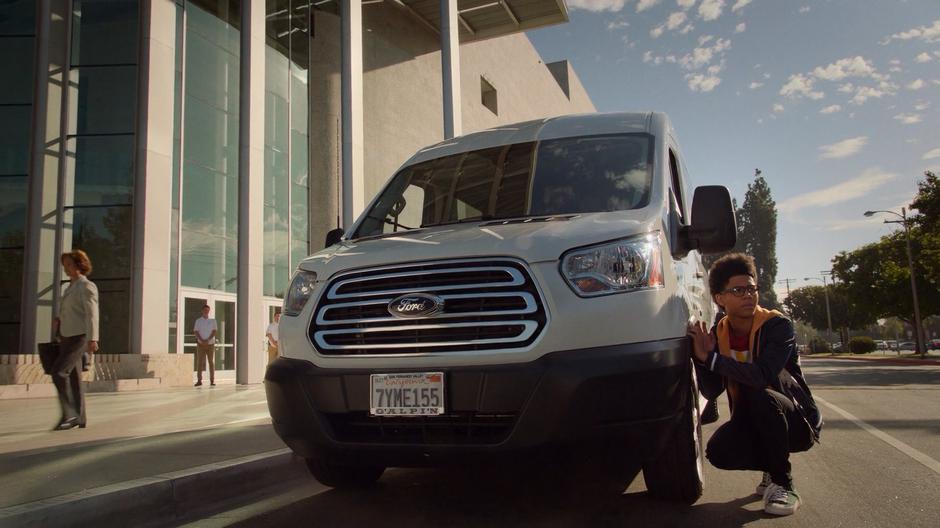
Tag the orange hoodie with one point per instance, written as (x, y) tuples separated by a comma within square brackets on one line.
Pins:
[(723, 333)]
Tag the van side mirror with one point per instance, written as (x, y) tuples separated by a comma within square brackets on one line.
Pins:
[(334, 236), (713, 228)]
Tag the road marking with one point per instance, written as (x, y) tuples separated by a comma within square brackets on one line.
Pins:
[(924, 459)]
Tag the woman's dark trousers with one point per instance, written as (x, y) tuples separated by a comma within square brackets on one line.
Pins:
[(66, 374)]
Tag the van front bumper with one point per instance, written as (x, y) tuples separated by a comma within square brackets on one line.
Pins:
[(625, 397)]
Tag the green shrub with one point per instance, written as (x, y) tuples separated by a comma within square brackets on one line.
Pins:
[(818, 346), (861, 345)]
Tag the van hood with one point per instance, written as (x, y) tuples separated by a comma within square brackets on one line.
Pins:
[(536, 240)]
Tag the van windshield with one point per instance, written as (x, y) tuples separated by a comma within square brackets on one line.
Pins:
[(552, 177)]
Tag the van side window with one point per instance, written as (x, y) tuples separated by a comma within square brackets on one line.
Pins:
[(676, 185)]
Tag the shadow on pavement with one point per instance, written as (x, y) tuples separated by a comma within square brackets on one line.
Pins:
[(457, 497), (873, 375)]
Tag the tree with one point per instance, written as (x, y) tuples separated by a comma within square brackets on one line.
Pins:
[(926, 228), (876, 278), (808, 304), (757, 236)]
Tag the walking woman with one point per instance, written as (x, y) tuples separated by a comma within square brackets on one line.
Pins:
[(78, 325)]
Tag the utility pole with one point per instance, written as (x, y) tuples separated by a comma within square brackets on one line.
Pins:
[(828, 311), (787, 282)]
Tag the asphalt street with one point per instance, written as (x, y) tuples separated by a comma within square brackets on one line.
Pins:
[(877, 465)]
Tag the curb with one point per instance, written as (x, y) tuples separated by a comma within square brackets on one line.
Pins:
[(886, 360), (158, 500)]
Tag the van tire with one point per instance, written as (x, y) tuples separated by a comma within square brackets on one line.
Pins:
[(675, 474), (343, 477)]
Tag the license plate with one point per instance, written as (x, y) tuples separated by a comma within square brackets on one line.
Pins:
[(413, 394)]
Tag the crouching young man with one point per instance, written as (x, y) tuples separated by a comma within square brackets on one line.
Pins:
[(751, 352)]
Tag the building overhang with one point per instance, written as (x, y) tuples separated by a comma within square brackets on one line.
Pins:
[(484, 19)]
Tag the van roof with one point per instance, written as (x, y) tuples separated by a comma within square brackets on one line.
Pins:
[(655, 123)]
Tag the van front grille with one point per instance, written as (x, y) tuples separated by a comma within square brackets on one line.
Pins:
[(487, 304)]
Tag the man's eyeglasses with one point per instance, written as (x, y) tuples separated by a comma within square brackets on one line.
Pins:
[(741, 291)]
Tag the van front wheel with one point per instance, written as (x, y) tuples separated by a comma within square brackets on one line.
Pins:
[(676, 473), (343, 477)]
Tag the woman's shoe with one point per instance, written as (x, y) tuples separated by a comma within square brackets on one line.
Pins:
[(65, 425)]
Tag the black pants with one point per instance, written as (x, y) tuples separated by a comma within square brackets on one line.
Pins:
[(67, 373), (764, 429)]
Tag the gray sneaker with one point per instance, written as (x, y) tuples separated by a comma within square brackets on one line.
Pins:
[(781, 501), (764, 483)]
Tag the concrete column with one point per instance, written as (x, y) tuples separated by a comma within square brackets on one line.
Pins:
[(249, 339), (450, 68), (325, 141), (150, 274), (40, 261), (353, 161)]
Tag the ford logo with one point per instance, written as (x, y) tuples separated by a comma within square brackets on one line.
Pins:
[(416, 305)]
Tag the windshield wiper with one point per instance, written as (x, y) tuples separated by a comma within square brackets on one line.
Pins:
[(469, 219)]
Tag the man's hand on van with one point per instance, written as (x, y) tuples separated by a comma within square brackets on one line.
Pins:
[(703, 341)]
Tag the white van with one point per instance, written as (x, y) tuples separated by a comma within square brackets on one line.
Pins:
[(518, 291)]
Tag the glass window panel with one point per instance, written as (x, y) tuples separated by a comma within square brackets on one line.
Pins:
[(208, 262), (210, 202), (212, 74), (299, 99), (106, 100), (11, 287), (217, 21), (299, 251), (18, 17), (300, 212), (14, 138), (277, 26), (104, 32), (299, 158), (114, 302), (276, 249), (211, 138), (105, 234), (13, 198), (16, 55), (101, 170)]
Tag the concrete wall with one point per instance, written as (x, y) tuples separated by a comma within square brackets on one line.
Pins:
[(403, 94)]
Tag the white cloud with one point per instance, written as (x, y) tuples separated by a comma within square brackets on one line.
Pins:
[(705, 39), (687, 29), (869, 180), (643, 5), (710, 10), (740, 4), (647, 56), (921, 106), (597, 5), (740, 28), (831, 109), (844, 148), (926, 33), (804, 9), (916, 85), (703, 55), (702, 83), (847, 88), (908, 119), (864, 93), (923, 57), (932, 154), (800, 86), (657, 31), (675, 20), (778, 108), (849, 67), (685, 4), (755, 85)]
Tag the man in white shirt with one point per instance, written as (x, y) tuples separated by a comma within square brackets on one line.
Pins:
[(272, 335), (205, 330)]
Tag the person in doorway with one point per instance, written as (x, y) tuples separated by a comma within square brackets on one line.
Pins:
[(272, 335), (205, 329), (752, 354), (77, 324)]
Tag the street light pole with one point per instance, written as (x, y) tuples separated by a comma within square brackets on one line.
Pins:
[(918, 338)]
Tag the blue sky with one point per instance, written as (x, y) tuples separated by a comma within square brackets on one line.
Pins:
[(836, 101)]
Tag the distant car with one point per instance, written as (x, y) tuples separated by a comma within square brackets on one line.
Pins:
[(933, 344), (892, 345), (906, 345), (881, 345), (836, 347)]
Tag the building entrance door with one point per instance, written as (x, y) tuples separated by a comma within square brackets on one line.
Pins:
[(222, 309)]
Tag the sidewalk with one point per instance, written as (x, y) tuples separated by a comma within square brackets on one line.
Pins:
[(891, 358), (133, 439)]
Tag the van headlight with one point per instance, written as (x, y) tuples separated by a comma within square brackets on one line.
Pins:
[(301, 287), (615, 267)]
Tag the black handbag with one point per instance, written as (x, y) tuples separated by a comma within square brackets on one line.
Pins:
[(48, 353)]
